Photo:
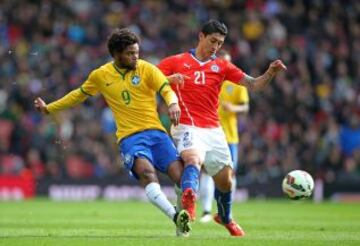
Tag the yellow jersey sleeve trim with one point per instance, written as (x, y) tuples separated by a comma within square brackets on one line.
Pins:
[(82, 90), (168, 94), (163, 85)]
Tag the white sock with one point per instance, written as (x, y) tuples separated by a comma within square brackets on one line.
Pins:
[(206, 191), (178, 193), (158, 198)]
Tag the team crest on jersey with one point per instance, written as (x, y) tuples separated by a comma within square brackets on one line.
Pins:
[(215, 68), (135, 80), (229, 89)]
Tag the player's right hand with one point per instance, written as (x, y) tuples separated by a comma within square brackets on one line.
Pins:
[(174, 113), (277, 66), (40, 105), (178, 78)]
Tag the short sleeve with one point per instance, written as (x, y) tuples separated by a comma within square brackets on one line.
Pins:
[(156, 77), (90, 86), (233, 73), (243, 94), (166, 65), (159, 83)]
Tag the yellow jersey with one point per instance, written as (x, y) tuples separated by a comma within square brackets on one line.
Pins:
[(130, 94), (235, 94)]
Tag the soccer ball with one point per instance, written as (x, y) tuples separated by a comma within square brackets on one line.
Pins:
[(298, 184)]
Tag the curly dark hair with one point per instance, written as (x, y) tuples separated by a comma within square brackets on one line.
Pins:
[(214, 26), (120, 39)]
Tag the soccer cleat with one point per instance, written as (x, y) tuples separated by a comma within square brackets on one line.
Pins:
[(234, 229), (182, 221), (206, 217), (188, 202)]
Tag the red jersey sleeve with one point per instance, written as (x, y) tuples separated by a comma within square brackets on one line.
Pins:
[(233, 73), (166, 65)]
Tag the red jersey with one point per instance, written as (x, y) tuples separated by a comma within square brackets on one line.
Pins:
[(199, 98)]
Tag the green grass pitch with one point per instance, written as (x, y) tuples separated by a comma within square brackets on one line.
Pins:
[(275, 222)]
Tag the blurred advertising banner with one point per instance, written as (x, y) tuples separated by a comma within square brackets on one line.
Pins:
[(112, 189), (17, 187), (114, 193), (124, 188)]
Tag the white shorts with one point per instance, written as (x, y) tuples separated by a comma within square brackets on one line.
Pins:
[(210, 142)]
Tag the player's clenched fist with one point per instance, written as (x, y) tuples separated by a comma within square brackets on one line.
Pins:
[(276, 66)]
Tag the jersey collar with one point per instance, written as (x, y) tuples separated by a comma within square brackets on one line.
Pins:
[(121, 71), (192, 54)]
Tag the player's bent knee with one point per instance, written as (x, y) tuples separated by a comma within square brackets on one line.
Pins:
[(191, 156), (175, 171), (223, 180), (228, 185), (147, 177), (224, 185), (191, 159)]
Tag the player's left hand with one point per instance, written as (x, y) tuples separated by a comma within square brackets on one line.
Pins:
[(276, 67), (40, 105), (174, 113)]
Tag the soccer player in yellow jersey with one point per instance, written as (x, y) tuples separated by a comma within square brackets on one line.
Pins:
[(234, 99), (129, 86)]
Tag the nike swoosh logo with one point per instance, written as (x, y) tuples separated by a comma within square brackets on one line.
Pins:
[(108, 84)]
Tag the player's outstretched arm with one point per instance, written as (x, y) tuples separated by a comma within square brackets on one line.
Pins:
[(71, 99), (259, 83)]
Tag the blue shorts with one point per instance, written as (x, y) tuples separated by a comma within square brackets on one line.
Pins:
[(154, 145)]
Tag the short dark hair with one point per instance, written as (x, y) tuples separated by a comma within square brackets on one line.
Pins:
[(119, 39), (214, 26)]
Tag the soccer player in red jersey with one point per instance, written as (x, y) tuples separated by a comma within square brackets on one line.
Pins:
[(196, 77)]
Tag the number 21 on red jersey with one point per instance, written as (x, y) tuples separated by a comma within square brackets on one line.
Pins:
[(199, 77)]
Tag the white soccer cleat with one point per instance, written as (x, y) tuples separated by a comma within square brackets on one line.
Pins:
[(206, 218), (182, 221)]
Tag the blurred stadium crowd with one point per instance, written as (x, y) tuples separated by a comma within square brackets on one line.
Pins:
[(308, 118)]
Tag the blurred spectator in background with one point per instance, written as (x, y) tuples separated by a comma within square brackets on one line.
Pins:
[(308, 118)]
